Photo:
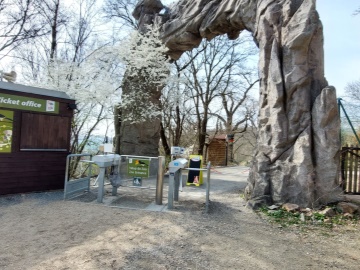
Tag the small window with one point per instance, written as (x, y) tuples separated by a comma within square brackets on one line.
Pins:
[(41, 132)]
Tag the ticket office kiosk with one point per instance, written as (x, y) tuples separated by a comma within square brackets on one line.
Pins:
[(35, 130)]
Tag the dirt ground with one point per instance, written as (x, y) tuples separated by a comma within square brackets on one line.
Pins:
[(41, 231)]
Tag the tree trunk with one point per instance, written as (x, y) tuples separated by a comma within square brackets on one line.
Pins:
[(54, 31), (164, 140), (117, 126), (231, 152), (179, 127)]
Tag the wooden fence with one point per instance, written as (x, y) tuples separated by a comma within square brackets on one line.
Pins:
[(350, 170)]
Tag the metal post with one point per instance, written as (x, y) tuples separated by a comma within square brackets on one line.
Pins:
[(171, 190), (89, 173), (114, 191), (347, 117), (339, 111), (208, 187), (226, 153), (66, 175), (116, 173), (178, 175), (160, 181), (101, 185)]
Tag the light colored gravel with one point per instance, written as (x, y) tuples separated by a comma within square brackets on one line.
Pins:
[(40, 231)]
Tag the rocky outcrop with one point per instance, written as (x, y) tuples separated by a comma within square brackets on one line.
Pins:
[(141, 137), (297, 154)]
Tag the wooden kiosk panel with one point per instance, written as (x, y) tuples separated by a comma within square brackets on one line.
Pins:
[(40, 141), (44, 132)]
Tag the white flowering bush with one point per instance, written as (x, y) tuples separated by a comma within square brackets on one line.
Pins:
[(146, 74)]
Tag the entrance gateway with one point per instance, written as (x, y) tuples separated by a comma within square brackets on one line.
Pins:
[(132, 171), (297, 155), (123, 171)]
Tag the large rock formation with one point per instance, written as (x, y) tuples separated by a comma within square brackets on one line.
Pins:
[(141, 138), (297, 154)]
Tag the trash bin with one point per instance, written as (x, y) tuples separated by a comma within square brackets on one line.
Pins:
[(195, 177)]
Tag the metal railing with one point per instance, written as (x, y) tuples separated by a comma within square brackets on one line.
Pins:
[(74, 186), (174, 186), (156, 172)]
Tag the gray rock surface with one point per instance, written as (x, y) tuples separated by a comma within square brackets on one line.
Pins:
[(297, 154), (141, 138), (347, 207)]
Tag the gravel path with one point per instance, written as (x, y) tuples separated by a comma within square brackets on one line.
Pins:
[(41, 231)]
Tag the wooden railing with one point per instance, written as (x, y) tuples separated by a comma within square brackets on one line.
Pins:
[(350, 170)]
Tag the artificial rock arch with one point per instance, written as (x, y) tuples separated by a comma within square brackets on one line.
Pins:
[(298, 143)]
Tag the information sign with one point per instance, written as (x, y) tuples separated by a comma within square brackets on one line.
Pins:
[(138, 167)]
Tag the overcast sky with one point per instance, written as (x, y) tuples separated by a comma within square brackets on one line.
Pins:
[(342, 41)]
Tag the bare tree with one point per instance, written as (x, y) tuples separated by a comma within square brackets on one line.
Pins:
[(232, 125), (211, 77), (176, 107), (83, 38), (352, 89), (19, 22), (62, 59), (120, 11), (54, 18), (37, 53), (352, 109), (357, 12)]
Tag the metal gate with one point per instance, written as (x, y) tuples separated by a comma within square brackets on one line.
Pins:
[(350, 170), (73, 187)]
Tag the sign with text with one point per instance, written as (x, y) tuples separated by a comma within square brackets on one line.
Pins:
[(28, 103), (6, 130), (138, 167), (137, 181)]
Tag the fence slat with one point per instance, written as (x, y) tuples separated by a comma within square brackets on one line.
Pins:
[(342, 180), (350, 169), (356, 165)]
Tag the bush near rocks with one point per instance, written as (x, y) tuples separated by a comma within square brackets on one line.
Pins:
[(287, 214)]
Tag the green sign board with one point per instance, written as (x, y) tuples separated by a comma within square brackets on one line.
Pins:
[(6, 130), (138, 167), (28, 103)]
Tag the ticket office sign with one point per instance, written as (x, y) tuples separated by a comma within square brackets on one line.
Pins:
[(138, 167), (28, 104), (6, 130)]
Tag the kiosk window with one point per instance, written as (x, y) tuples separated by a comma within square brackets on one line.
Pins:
[(44, 132)]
